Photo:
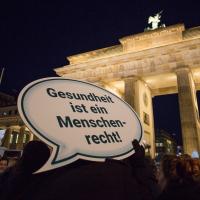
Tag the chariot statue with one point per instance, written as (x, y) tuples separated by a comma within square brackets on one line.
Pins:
[(155, 22)]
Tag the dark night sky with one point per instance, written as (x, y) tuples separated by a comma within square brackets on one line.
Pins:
[(36, 36)]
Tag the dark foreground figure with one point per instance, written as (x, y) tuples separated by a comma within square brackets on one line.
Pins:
[(131, 179), (15, 180), (110, 180), (79, 181), (82, 180)]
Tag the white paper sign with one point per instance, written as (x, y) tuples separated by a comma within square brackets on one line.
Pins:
[(79, 120)]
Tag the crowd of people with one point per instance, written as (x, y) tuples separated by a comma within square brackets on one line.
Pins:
[(137, 177), (179, 177)]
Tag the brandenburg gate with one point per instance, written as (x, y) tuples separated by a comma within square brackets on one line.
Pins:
[(157, 62)]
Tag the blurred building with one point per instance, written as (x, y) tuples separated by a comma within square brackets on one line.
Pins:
[(13, 132), (6, 100), (165, 143)]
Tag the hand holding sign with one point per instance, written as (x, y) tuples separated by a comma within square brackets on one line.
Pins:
[(79, 120)]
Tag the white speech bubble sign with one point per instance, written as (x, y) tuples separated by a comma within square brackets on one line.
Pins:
[(78, 120)]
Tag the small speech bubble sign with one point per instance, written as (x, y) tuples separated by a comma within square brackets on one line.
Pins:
[(78, 120)]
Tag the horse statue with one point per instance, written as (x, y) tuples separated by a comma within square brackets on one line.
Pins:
[(154, 21)]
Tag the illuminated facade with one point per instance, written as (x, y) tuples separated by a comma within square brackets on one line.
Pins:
[(13, 131), (158, 62)]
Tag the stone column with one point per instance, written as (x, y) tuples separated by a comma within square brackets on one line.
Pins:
[(188, 110), (138, 95), (130, 92), (20, 138), (6, 138), (30, 136)]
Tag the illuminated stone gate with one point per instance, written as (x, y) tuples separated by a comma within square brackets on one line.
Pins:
[(158, 62)]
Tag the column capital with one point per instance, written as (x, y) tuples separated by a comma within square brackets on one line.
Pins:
[(22, 128), (9, 128), (133, 78), (182, 69)]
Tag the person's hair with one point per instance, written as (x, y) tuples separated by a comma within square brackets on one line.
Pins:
[(4, 158), (195, 162), (168, 163), (184, 167)]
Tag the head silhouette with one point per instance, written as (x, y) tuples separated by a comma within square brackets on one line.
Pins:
[(34, 156)]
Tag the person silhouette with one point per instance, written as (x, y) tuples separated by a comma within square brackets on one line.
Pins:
[(17, 178)]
